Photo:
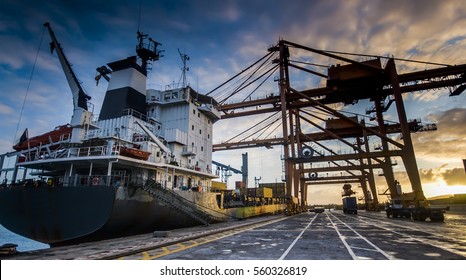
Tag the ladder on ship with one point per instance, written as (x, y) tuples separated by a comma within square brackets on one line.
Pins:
[(177, 202)]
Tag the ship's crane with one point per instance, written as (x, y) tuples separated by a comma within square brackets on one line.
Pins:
[(103, 72), (79, 97), (82, 117)]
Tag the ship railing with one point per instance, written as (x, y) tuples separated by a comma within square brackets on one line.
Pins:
[(82, 152), (126, 112), (136, 114), (43, 154), (91, 151), (94, 180), (74, 181)]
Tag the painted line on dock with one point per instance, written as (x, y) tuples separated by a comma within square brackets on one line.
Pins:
[(365, 239), (432, 243), (171, 248), (297, 238), (167, 242), (342, 238)]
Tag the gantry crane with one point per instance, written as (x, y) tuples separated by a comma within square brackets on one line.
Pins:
[(347, 84)]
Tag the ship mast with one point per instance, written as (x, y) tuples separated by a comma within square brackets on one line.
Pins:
[(79, 97), (147, 51), (184, 58)]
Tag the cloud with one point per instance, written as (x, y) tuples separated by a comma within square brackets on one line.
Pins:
[(448, 142), (12, 44), (455, 176), (451, 176), (5, 110), (433, 29), (231, 12), (428, 175), (433, 180)]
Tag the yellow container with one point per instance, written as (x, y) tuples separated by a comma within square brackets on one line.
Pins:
[(219, 186), (265, 192)]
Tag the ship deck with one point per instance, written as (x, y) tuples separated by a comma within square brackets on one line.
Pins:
[(330, 235)]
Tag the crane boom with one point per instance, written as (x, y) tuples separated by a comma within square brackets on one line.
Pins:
[(79, 97), (227, 167)]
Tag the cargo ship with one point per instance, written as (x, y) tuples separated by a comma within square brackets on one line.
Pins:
[(143, 164)]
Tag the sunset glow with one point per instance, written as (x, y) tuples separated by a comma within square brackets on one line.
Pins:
[(222, 38)]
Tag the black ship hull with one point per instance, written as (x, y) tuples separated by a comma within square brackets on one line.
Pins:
[(69, 215)]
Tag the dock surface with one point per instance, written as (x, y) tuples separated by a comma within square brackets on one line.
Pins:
[(330, 235)]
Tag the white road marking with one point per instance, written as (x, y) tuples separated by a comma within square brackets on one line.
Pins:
[(297, 238), (418, 239), (350, 251), (367, 241)]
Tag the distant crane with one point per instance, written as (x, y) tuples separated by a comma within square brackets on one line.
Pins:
[(225, 171)]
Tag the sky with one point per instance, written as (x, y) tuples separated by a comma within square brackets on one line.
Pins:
[(222, 38)]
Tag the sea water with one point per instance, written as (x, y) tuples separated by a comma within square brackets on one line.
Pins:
[(24, 244)]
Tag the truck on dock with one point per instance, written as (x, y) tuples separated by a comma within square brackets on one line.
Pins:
[(394, 208), (317, 209), (350, 205), (399, 208)]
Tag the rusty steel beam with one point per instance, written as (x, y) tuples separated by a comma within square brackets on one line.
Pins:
[(391, 153), (409, 82), (340, 168), (316, 136), (332, 182), (334, 178)]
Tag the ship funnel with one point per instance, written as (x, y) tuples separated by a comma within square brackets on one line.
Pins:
[(126, 90)]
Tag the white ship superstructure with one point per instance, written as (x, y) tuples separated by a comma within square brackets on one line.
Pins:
[(175, 128)]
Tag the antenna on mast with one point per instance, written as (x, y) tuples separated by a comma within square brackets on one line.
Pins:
[(147, 50), (139, 16), (184, 58)]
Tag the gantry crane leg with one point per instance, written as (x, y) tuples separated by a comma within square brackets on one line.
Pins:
[(387, 165), (408, 157)]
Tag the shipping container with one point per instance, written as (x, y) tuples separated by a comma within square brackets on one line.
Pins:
[(239, 185), (264, 192), (278, 189), (221, 186), (350, 205)]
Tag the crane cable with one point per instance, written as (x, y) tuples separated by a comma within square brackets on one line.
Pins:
[(244, 83), (387, 57), (29, 85), (252, 127), (272, 70), (263, 129), (221, 85), (240, 83)]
